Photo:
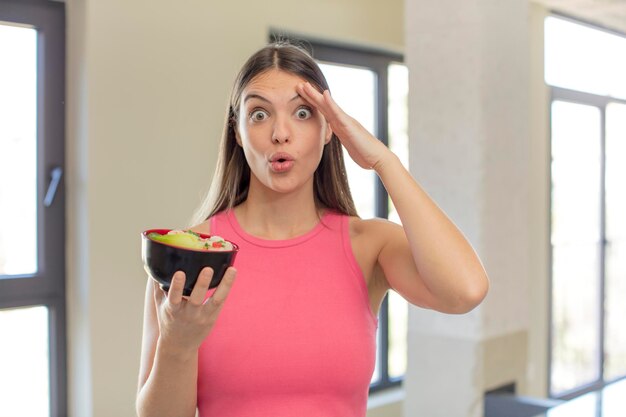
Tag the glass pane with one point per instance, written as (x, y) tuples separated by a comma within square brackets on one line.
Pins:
[(354, 89), (586, 405), (576, 168), (576, 206), (398, 115), (376, 374), (613, 403), (18, 143), (575, 316), (615, 307), (582, 58), (398, 322), (24, 380)]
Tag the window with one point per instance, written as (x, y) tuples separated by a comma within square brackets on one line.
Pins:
[(585, 68), (32, 211), (372, 86)]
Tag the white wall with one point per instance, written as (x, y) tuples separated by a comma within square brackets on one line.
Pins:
[(148, 83), (539, 210)]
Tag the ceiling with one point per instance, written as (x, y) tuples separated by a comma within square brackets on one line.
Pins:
[(607, 13)]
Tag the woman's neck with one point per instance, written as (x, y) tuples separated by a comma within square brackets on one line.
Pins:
[(273, 215)]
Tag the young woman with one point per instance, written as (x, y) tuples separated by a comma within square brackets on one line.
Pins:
[(295, 334)]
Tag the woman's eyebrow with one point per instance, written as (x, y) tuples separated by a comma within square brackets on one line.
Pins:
[(260, 97)]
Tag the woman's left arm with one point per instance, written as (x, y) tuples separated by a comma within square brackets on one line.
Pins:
[(428, 261)]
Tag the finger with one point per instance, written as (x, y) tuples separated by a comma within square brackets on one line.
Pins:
[(323, 102), (202, 286), (311, 95), (332, 104), (175, 293), (223, 289)]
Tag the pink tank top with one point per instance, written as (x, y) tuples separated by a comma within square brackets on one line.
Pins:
[(296, 336)]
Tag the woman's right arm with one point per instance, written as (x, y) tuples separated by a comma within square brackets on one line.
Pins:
[(173, 329)]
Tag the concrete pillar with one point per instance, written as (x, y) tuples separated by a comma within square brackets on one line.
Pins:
[(469, 148)]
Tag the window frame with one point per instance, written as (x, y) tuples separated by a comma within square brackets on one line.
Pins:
[(47, 286), (377, 60), (600, 102)]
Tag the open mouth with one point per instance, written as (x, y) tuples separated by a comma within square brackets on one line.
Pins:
[(281, 157), (281, 162)]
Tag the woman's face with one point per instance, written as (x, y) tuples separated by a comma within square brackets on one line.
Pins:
[(281, 134)]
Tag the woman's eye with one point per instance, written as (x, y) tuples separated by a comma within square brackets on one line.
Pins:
[(258, 115), (304, 113)]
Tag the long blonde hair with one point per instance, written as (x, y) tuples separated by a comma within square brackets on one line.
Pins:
[(231, 180)]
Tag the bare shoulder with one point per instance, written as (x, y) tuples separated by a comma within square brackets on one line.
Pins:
[(370, 236), (376, 229)]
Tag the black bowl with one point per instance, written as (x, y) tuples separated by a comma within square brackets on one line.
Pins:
[(162, 260)]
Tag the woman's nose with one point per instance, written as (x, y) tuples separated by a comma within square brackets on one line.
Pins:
[(281, 133)]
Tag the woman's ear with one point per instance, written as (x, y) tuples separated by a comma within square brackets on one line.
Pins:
[(329, 134), (233, 125)]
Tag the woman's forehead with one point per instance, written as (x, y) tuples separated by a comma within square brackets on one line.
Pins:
[(273, 81)]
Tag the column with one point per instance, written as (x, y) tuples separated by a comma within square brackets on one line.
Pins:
[(469, 148)]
